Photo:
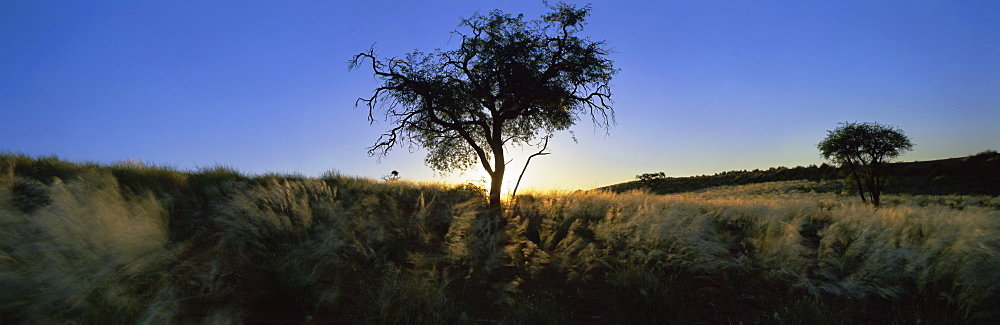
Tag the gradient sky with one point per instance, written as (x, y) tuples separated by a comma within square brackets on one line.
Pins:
[(704, 87)]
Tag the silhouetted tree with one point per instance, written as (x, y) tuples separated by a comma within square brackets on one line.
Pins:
[(508, 81), (651, 179), (865, 149), (392, 177)]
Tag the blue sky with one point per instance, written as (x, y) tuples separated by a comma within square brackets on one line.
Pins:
[(704, 87)]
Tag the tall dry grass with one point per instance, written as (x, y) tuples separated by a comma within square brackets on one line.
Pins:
[(87, 243), (82, 245), (781, 238), (87, 255)]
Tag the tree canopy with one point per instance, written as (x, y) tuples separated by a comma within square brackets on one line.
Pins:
[(864, 148), (651, 179), (508, 82)]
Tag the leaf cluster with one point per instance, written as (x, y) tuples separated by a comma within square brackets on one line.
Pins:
[(508, 81), (864, 143)]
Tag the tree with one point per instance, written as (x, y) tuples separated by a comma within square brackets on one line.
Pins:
[(507, 82), (651, 179), (865, 149), (391, 177)]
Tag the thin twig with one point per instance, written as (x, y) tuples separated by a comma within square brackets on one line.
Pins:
[(513, 194)]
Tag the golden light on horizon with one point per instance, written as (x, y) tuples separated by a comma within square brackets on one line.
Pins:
[(531, 181)]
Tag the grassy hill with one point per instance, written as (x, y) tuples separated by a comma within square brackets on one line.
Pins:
[(978, 174), (85, 243)]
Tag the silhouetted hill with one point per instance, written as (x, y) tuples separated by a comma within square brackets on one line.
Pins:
[(976, 174)]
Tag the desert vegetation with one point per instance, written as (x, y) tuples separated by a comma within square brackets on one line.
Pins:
[(865, 149), (130, 243), (975, 174)]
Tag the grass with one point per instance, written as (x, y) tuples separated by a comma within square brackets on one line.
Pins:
[(972, 175), (126, 242)]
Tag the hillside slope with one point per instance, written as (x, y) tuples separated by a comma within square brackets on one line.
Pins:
[(975, 174), (86, 243)]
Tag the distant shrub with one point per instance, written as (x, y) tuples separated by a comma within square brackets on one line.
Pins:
[(651, 179), (43, 169), (987, 156)]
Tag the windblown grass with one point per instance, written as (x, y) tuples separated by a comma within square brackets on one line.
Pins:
[(126, 242), (87, 254), (763, 241)]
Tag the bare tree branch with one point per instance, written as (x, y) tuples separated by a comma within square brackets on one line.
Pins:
[(541, 152)]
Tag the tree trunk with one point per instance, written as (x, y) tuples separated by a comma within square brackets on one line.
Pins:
[(876, 183), (499, 167), (857, 179), (861, 189), (489, 227), (496, 183), (872, 192)]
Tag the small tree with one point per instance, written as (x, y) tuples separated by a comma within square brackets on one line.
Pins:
[(508, 81), (865, 149), (391, 177), (651, 179)]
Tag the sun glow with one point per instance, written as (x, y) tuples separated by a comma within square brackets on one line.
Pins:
[(479, 177)]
